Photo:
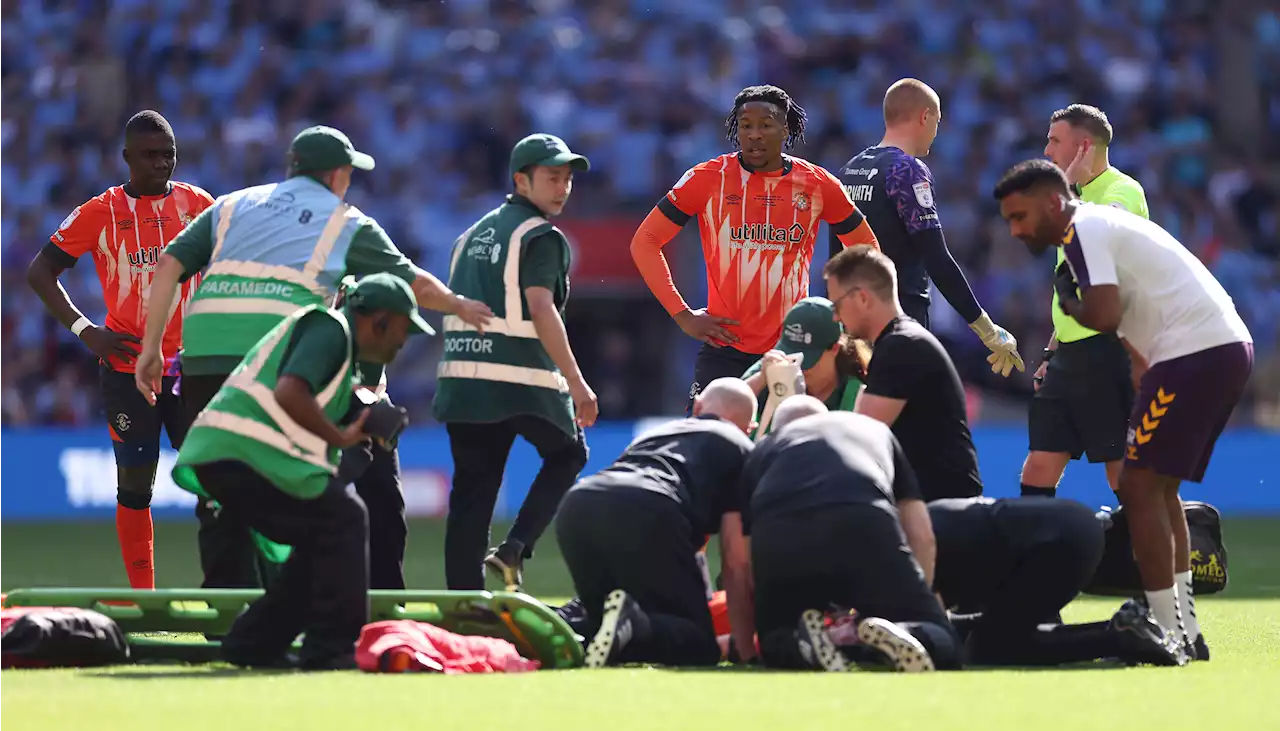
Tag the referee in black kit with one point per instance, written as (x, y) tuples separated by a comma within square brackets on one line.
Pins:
[(912, 385)]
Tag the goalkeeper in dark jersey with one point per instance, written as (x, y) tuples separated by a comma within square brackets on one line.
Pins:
[(894, 189)]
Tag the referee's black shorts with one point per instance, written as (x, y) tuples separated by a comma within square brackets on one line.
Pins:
[(1083, 406)]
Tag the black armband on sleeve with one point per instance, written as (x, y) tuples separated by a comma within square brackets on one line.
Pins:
[(60, 258), (943, 270), (854, 220), (675, 215)]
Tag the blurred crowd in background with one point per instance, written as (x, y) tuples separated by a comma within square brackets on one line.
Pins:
[(439, 91)]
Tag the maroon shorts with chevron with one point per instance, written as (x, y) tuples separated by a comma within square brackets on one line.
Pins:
[(1182, 407)]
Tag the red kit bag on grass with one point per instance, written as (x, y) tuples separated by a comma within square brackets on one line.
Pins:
[(402, 645), (47, 637)]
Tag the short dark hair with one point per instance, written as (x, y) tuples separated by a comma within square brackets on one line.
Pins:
[(1030, 174), (1088, 118), (527, 170), (794, 113), (866, 266), (146, 122)]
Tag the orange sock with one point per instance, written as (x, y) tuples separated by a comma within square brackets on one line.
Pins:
[(137, 546)]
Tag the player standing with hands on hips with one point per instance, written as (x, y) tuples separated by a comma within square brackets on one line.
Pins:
[(1125, 273), (517, 376), (135, 220), (1084, 387), (895, 188), (758, 213)]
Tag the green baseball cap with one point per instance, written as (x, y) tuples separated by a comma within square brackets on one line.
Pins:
[(325, 148), (545, 149), (386, 291), (810, 329)]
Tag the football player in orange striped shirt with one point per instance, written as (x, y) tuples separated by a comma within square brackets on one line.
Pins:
[(758, 211), (124, 229)]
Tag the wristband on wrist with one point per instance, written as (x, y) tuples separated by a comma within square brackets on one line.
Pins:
[(1048, 354), (80, 325)]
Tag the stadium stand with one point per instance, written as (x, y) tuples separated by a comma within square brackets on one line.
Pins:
[(438, 92)]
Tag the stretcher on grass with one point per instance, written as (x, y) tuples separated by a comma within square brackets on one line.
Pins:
[(536, 631)]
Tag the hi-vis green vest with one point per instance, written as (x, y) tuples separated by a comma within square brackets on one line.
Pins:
[(276, 248), (244, 422), (506, 371)]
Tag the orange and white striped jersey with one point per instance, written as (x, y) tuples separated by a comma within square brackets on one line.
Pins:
[(758, 232), (125, 235)]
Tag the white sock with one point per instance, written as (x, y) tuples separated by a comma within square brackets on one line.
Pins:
[(1187, 603), (1164, 607)]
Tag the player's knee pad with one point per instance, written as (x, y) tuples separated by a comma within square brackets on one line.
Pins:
[(134, 486)]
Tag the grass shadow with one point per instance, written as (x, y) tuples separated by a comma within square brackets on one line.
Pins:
[(188, 672)]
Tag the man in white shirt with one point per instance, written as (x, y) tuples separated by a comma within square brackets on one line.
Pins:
[(1127, 275)]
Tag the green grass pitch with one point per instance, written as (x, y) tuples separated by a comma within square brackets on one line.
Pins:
[(1238, 689)]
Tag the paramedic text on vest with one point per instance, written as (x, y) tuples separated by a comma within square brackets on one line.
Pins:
[(268, 251)]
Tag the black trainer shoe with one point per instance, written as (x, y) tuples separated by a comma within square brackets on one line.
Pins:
[(508, 563), (1143, 639), (622, 622), (1198, 650), (817, 649), (904, 652), (574, 614)]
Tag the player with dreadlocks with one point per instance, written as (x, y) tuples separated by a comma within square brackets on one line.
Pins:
[(758, 211)]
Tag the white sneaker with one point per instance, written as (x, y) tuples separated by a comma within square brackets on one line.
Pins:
[(904, 652)]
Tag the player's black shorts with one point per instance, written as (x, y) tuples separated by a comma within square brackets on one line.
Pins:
[(713, 363), (1083, 406), (134, 424)]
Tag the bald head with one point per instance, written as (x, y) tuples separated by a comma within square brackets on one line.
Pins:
[(730, 399), (906, 99), (797, 407)]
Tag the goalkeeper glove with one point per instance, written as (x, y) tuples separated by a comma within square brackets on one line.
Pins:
[(1003, 346)]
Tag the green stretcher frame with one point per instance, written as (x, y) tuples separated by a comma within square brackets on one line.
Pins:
[(537, 632)]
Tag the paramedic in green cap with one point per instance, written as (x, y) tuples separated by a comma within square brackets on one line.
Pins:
[(516, 377), (833, 363), (266, 252), (267, 449)]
